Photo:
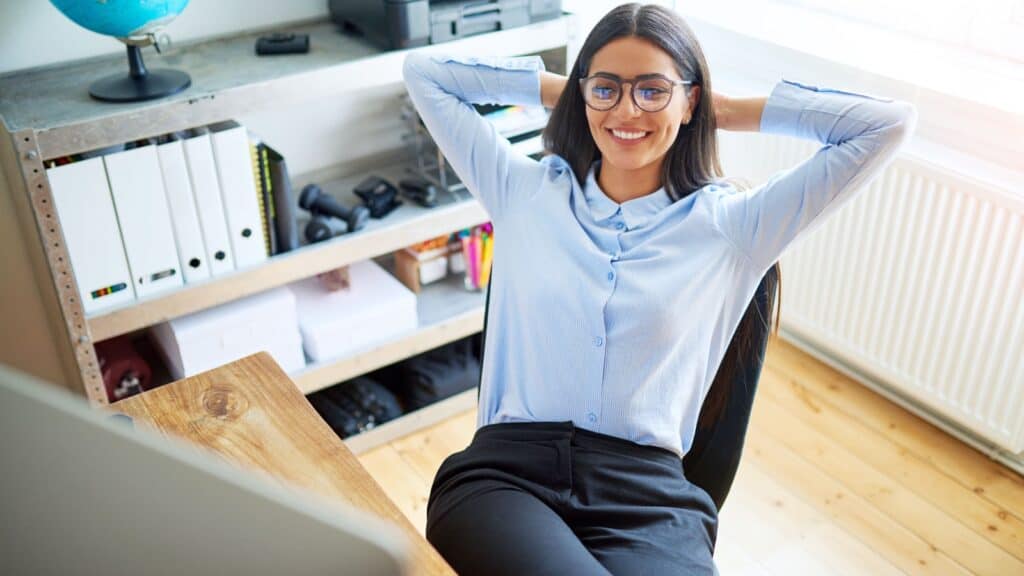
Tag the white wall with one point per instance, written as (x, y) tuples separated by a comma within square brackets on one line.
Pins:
[(28, 28)]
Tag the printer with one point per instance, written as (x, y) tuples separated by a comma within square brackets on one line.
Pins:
[(397, 24)]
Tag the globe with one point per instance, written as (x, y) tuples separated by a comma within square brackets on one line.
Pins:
[(134, 22)]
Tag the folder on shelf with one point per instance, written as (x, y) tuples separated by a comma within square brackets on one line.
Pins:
[(89, 223), (264, 194), (137, 187), (286, 229), (284, 202), (277, 200), (182, 205), (202, 171), (238, 190)]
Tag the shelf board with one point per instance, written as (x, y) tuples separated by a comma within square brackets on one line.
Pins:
[(228, 80), (406, 225), (413, 421), (446, 313)]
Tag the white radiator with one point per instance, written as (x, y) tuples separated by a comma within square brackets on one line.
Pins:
[(917, 283)]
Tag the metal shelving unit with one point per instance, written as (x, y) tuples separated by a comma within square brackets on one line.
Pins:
[(407, 225), (47, 114)]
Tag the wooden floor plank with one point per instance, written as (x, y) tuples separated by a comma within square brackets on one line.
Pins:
[(989, 479), (400, 483), (849, 556), (795, 558), (903, 548), (788, 425), (761, 516), (987, 519), (770, 504), (425, 451)]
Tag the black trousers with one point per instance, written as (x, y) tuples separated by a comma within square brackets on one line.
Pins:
[(550, 498)]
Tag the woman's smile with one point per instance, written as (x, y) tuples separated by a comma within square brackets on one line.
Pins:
[(628, 136)]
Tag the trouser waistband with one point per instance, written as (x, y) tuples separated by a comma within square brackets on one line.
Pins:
[(542, 431)]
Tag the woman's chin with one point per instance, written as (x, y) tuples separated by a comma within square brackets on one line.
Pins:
[(625, 162)]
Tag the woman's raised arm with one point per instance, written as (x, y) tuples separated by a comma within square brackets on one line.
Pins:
[(861, 135), (443, 89), (551, 86), (738, 114)]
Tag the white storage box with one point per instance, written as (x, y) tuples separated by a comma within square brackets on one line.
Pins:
[(204, 340), (376, 307)]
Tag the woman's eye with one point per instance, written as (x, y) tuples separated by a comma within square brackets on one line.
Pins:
[(603, 92), (652, 93)]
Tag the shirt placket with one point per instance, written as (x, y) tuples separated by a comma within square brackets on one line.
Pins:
[(613, 250)]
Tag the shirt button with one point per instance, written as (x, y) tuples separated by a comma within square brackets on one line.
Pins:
[(592, 417), (620, 226), (611, 275), (598, 341)]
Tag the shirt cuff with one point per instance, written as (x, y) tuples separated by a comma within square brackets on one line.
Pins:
[(789, 100), (509, 80)]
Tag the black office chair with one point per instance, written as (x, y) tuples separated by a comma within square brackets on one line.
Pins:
[(714, 457), (717, 446)]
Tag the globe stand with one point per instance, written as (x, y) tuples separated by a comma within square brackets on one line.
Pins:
[(139, 84)]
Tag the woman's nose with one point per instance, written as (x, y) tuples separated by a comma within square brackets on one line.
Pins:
[(627, 107)]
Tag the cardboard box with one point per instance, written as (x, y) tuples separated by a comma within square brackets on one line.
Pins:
[(416, 269)]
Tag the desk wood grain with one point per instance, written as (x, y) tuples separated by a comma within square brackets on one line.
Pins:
[(250, 413)]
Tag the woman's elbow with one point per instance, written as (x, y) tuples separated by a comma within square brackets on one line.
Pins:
[(904, 122), (412, 66)]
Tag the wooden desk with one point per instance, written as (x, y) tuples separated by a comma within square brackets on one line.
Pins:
[(253, 415)]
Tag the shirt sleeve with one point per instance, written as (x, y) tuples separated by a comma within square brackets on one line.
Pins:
[(443, 89), (861, 135)]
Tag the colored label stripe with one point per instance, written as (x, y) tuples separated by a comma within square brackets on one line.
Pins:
[(108, 290)]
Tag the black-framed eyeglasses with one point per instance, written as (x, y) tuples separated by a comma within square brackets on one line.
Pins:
[(650, 92)]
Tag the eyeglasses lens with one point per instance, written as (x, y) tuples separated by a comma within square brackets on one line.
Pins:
[(652, 94), (601, 93)]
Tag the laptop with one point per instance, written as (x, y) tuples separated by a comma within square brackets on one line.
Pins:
[(87, 493)]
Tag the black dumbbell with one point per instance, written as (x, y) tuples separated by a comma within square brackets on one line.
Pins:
[(318, 203), (320, 228)]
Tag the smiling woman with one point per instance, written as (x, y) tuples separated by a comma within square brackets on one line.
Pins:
[(666, 47), (626, 265)]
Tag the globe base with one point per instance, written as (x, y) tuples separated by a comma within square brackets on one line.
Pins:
[(127, 88)]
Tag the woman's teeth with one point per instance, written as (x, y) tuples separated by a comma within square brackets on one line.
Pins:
[(628, 135)]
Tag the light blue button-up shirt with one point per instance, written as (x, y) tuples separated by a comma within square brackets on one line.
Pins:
[(616, 316)]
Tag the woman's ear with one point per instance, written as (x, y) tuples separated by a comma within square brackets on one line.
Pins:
[(693, 97)]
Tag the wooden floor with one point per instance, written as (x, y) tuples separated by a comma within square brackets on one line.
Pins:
[(835, 479)]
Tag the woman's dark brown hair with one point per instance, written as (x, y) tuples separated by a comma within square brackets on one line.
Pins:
[(690, 163)]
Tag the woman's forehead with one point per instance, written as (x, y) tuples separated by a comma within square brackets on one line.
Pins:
[(632, 56)]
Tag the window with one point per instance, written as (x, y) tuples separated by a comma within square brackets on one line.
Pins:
[(992, 28)]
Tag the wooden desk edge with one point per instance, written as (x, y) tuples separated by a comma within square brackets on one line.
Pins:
[(251, 414)]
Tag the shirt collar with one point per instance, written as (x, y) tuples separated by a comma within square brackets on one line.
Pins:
[(635, 212)]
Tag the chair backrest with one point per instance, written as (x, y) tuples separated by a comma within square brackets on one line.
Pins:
[(714, 457)]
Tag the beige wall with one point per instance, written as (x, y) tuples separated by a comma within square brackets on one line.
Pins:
[(26, 341)]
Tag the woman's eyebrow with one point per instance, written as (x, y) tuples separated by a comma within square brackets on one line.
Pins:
[(639, 76)]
